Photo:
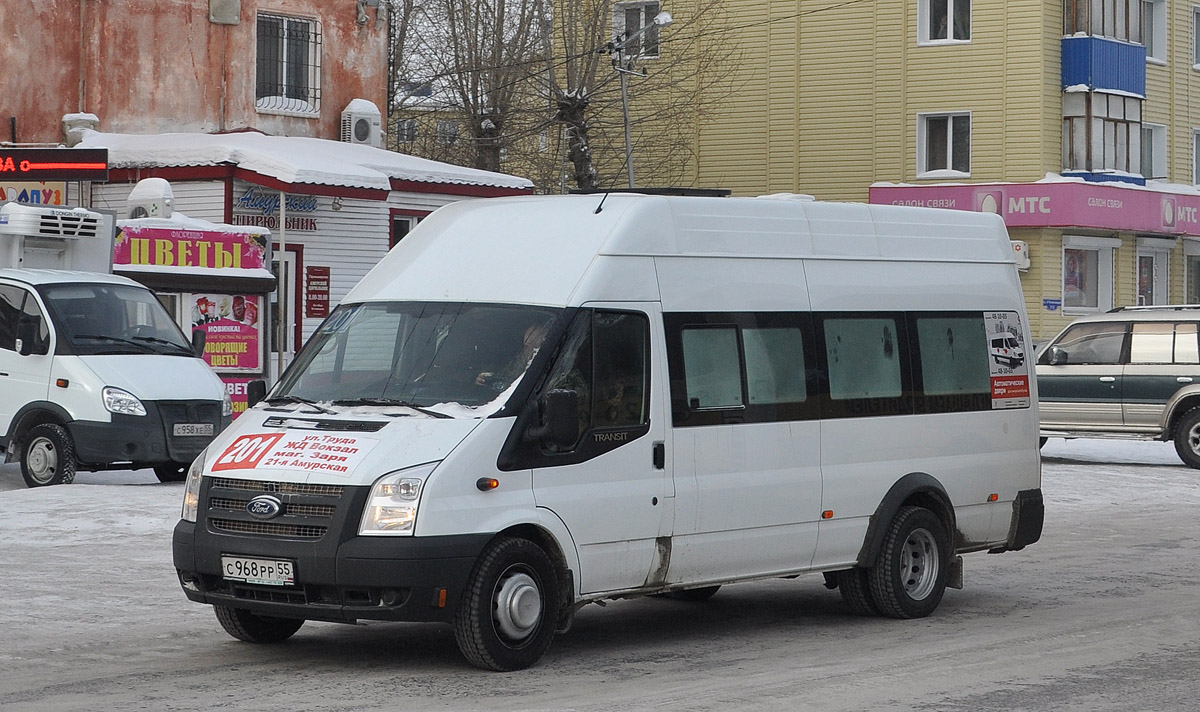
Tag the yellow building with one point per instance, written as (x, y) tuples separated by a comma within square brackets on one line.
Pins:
[(1076, 120)]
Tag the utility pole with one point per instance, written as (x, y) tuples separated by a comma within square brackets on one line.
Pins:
[(617, 48)]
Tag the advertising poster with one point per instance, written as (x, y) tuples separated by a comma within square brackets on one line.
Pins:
[(1008, 362), (238, 393), (232, 323)]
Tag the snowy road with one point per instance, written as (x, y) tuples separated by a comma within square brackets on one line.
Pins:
[(1102, 614)]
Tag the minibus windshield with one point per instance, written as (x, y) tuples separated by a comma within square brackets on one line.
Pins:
[(94, 319), (416, 354)]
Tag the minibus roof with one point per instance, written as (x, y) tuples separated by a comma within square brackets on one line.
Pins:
[(539, 249)]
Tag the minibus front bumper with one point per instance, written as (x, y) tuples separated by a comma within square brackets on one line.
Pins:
[(338, 576), (152, 438)]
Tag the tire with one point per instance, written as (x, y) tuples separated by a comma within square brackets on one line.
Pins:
[(171, 472), (855, 586), (1187, 438), (693, 595), (507, 616), (48, 457), (253, 628), (909, 577)]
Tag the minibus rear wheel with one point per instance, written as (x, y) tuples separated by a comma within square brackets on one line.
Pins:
[(855, 586), (509, 610), (253, 628), (909, 577)]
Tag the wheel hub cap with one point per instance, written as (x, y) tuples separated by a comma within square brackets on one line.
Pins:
[(919, 564), (42, 460), (518, 606)]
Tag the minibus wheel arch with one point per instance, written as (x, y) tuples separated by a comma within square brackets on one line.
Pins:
[(916, 489), (566, 578)]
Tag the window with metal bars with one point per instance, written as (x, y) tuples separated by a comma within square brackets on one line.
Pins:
[(288, 66)]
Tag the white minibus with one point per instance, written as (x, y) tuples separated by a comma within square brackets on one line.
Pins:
[(536, 403)]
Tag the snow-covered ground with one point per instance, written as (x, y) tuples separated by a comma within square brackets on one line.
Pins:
[(1098, 615)]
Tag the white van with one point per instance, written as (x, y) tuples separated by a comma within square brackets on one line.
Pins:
[(94, 373), (535, 403)]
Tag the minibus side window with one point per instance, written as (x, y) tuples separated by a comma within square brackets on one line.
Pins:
[(775, 365), (712, 367), (864, 358), (954, 355), (605, 360), (10, 310)]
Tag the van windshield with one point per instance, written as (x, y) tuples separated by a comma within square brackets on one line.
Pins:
[(96, 319), (417, 354)]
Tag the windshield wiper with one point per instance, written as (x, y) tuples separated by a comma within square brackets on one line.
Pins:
[(391, 401), (165, 342), (303, 401), (114, 339)]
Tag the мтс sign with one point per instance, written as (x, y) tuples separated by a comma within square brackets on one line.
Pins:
[(41, 164)]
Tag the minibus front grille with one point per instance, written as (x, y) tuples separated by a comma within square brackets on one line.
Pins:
[(279, 529), (296, 509), (278, 487)]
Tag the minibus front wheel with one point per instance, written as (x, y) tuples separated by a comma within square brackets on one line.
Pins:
[(909, 577), (508, 613)]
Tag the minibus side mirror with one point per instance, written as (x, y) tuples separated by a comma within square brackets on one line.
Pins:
[(27, 336), (199, 337), (256, 390), (559, 419)]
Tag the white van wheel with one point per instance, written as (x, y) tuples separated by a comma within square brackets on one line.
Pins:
[(48, 457), (855, 586), (1187, 438), (507, 615), (909, 577)]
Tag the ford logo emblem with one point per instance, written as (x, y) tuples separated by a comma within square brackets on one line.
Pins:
[(264, 506)]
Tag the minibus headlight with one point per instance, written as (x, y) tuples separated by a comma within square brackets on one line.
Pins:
[(392, 506), (121, 401), (191, 489), (227, 406)]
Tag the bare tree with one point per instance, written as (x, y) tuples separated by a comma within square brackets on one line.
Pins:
[(535, 84)]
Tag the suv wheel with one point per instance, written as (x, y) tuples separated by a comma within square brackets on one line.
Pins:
[(1187, 438)]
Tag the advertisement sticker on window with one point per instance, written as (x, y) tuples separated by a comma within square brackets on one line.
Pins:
[(1007, 360)]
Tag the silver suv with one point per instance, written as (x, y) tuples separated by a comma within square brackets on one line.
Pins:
[(1133, 372)]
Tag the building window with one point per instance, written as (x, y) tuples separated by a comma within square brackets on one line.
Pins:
[(1196, 37), (447, 132), (1102, 132), (1195, 155), (1191, 271), (288, 68), (406, 130), (944, 21), (1154, 151), (1154, 29), (1087, 280), (1118, 19), (629, 18), (944, 145)]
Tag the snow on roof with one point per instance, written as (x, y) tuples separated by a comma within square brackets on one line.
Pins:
[(290, 159), (179, 221)]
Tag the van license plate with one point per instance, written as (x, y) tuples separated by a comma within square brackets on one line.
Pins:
[(193, 429), (274, 572)]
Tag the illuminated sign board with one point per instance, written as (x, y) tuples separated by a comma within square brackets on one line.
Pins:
[(39, 164)]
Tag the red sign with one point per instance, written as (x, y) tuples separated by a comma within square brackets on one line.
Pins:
[(1015, 386), (316, 289), (246, 452), (237, 389), (54, 164)]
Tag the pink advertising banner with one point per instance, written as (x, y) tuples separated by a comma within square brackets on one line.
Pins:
[(170, 247), (231, 321), (1065, 204)]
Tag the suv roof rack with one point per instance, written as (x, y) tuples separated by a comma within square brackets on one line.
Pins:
[(1155, 307)]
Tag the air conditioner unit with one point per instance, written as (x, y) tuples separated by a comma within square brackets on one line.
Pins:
[(150, 198), (362, 123), (1020, 250)]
